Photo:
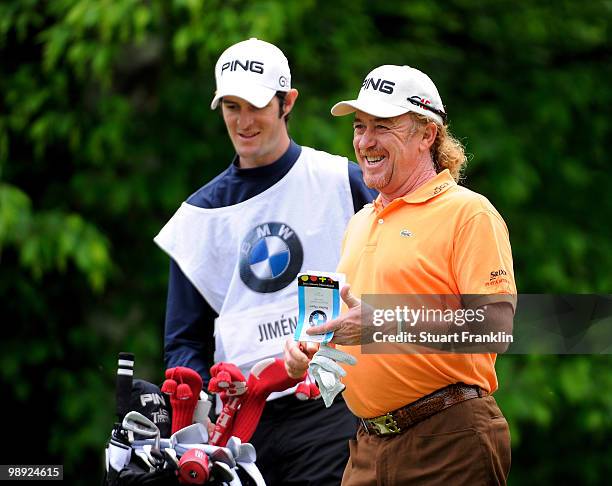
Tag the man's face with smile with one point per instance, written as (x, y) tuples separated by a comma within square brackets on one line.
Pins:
[(386, 149), (258, 134)]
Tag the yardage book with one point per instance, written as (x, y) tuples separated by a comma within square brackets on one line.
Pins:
[(318, 302)]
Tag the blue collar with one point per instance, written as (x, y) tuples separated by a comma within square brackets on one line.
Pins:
[(282, 165)]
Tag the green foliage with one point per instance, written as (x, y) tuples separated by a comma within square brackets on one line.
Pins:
[(47, 240), (559, 408), (105, 128)]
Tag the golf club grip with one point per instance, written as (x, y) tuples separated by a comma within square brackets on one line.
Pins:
[(125, 373)]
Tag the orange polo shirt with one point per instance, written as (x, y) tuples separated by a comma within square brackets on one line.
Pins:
[(440, 239)]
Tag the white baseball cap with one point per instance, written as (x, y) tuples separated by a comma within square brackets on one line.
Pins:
[(394, 90), (253, 70)]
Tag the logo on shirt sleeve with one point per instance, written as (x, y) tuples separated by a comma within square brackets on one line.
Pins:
[(271, 256), (497, 277)]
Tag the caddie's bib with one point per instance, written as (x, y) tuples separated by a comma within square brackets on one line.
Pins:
[(244, 258), (255, 334)]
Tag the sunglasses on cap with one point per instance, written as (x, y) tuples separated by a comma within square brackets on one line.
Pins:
[(417, 102)]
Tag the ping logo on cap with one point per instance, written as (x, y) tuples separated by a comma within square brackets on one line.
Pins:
[(382, 85), (253, 66)]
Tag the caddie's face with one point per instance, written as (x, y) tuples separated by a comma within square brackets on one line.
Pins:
[(388, 150), (258, 134)]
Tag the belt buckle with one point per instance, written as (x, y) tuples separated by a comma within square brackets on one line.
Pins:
[(385, 425)]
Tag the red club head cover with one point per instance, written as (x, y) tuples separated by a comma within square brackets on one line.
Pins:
[(185, 397), (303, 391), (229, 383), (266, 376), (222, 375), (183, 392), (314, 391), (193, 467), (224, 378), (169, 387)]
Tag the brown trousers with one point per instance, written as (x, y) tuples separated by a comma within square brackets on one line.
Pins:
[(468, 443)]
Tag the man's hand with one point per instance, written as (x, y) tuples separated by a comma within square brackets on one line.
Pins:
[(298, 356), (348, 327)]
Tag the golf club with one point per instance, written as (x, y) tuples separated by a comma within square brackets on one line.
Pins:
[(192, 434), (123, 387), (223, 454), (139, 424), (221, 472), (247, 453), (163, 443), (172, 454), (233, 444), (242, 452), (251, 469)]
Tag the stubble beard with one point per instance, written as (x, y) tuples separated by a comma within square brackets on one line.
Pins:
[(377, 182)]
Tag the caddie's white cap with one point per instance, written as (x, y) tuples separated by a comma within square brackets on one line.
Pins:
[(253, 70), (394, 90)]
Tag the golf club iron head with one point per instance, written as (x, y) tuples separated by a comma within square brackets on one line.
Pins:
[(139, 424), (241, 452), (251, 469), (233, 444), (192, 434), (223, 454), (221, 472), (247, 453)]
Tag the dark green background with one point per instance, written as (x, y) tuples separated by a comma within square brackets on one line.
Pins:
[(105, 128)]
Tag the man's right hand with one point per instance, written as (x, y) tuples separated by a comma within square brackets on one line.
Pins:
[(298, 356)]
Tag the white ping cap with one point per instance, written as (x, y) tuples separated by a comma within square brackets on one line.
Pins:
[(253, 70), (389, 91)]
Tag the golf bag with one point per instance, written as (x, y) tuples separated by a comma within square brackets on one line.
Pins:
[(160, 437)]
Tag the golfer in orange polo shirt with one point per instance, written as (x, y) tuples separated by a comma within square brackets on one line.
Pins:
[(426, 418)]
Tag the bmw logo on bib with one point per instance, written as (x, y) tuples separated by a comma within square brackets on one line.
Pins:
[(271, 256)]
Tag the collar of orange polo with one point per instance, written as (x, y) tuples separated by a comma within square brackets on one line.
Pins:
[(432, 188)]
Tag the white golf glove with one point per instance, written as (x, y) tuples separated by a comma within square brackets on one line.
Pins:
[(328, 373)]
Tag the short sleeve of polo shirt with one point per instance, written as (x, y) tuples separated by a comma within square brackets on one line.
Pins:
[(482, 261)]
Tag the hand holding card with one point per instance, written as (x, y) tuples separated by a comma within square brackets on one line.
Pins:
[(318, 302)]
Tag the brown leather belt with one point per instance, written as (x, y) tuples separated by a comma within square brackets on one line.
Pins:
[(403, 418)]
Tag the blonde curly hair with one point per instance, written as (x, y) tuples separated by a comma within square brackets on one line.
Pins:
[(446, 152)]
